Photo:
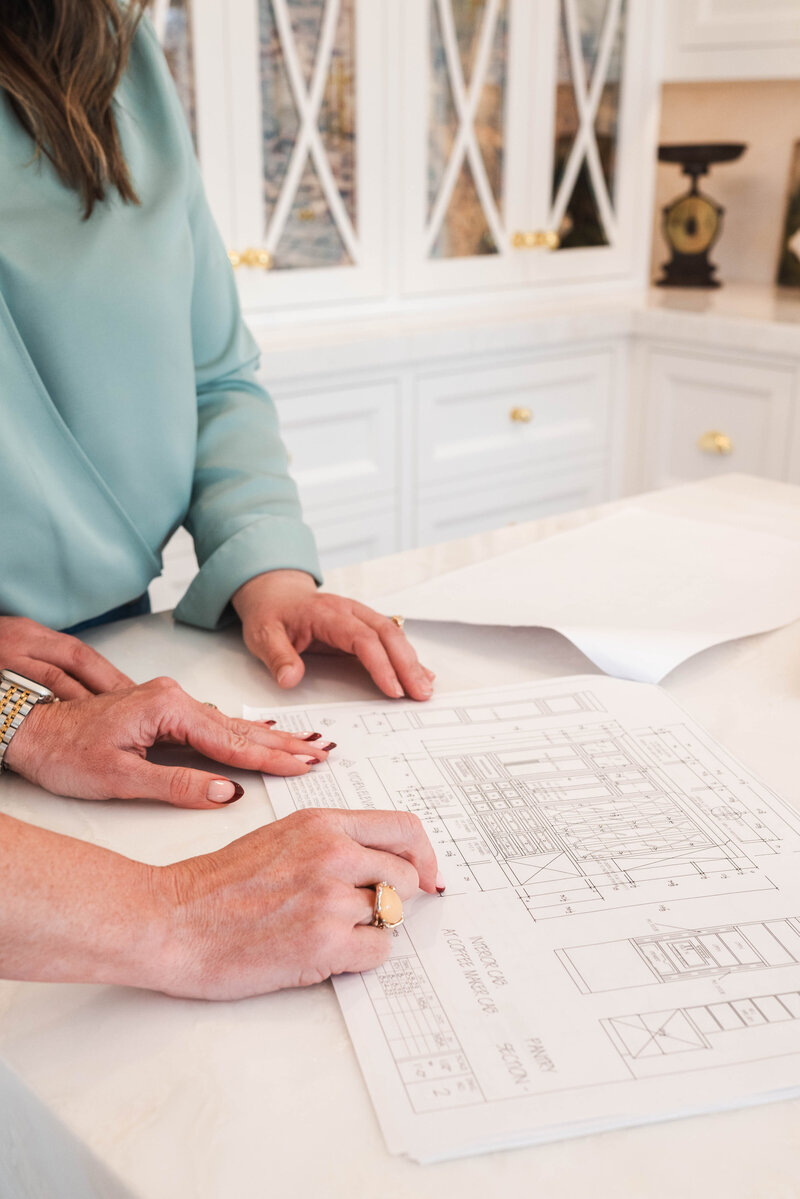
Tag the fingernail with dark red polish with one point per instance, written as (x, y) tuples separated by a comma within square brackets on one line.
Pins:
[(327, 746), (312, 737), (440, 884), (219, 791), (306, 761), (270, 722)]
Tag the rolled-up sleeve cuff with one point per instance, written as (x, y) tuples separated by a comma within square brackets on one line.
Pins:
[(275, 543)]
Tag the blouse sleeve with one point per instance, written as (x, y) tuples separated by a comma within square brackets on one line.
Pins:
[(244, 514)]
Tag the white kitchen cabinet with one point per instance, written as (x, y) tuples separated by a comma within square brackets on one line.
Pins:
[(365, 151), (710, 413), (731, 39), (526, 123), (493, 500), (342, 437)]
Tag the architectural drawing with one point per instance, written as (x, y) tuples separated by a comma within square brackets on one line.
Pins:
[(622, 911), (676, 957), (651, 1042)]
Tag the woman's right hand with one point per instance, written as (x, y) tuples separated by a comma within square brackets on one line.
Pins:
[(288, 905), (69, 668)]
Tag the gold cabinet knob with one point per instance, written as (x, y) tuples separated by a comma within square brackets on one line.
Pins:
[(251, 257), (535, 239), (523, 415), (714, 442)]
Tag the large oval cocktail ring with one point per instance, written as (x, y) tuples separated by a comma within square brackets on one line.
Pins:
[(388, 909)]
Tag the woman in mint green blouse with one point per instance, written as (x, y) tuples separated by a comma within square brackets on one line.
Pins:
[(129, 406)]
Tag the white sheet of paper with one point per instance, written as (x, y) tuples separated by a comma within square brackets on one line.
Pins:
[(638, 592), (619, 940)]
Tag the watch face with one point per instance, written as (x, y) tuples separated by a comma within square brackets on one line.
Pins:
[(19, 680), (691, 225)]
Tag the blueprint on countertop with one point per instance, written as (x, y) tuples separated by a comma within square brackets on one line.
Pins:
[(619, 941)]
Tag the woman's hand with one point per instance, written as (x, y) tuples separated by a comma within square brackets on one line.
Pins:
[(289, 904), (282, 613), (95, 748), (285, 906), (69, 668)]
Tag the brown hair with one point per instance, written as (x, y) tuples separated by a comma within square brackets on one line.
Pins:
[(60, 63)]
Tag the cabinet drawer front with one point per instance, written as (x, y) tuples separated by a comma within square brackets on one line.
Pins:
[(342, 441), (355, 538), (509, 415), (693, 396), (492, 503)]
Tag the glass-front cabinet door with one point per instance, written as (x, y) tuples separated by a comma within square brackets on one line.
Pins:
[(519, 139), (307, 114)]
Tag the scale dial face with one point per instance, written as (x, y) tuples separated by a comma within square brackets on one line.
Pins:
[(692, 225)]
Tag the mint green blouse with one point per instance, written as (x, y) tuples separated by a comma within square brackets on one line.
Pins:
[(128, 398)]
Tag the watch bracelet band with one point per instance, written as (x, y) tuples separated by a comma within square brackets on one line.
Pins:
[(15, 704)]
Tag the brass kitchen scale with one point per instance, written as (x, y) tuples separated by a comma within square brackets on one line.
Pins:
[(692, 223)]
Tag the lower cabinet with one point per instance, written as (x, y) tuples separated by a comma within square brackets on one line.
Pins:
[(710, 413), (492, 501)]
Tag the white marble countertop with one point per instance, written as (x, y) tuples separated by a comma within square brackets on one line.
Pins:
[(742, 317), (117, 1092)]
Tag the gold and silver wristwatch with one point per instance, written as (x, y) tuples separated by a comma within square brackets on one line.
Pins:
[(18, 696)]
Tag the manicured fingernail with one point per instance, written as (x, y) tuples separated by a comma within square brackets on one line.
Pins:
[(328, 745), (310, 736), (439, 882), (270, 722), (397, 691), (223, 791), (306, 761), (283, 675)]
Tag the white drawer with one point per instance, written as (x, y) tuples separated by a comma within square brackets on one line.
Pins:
[(342, 441), (466, 418), (690, 394), (493, 502), (355, 538)]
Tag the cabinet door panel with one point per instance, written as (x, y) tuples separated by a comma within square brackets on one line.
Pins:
[(494, 501), (307, 135), (355, 538), (690, 395), (342, 442), (505, 415), (588, 186)]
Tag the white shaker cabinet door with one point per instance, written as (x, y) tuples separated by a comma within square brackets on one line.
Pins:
[(342, 439), (708, 415)]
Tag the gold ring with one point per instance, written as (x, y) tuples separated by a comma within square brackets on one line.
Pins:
[(398, 620), (388, 909)]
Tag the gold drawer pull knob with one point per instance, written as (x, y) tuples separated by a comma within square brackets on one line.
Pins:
[(523, 415), (715, 442), (251, 257)]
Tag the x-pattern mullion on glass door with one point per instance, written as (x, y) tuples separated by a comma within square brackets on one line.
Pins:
[(587, 100), (466, 101), (308, 102)]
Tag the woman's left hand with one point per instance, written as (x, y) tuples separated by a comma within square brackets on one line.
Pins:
[(282, 613)]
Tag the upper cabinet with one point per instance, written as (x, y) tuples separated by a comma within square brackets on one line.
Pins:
[(380, 149), (524, 140), (732, 39)]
